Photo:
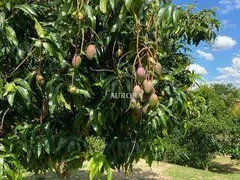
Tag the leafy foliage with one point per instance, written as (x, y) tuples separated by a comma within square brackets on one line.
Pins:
[(9, 164), (52, 107), (215, 129)]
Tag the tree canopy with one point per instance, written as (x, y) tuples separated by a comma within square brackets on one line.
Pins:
[(61, 61)]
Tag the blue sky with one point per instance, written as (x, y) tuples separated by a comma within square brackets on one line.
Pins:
[(220, 62)]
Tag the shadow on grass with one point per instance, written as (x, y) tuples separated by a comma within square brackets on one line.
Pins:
[(226, 168), (81, 174), (140, 174), (137, 174)]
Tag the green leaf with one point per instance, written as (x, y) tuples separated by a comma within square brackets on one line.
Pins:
[(66, 9), (138, 6), (109, 174), (8, 5), (56, 39), (10, 97), (60, 58), (176, 15), (62, 100), (38, 44), (169, 15), (89, 12), (95, 165), (71, 146), (47, 146), (27, 9), (160, 14), (128, 4), (113, 3), (11, 35), (103, 5), (23, 83), (167, 77), (56, 2), (108, 169), (49, 48), (1, 166), (40, 31), (8, 88), (54, 91), (166, 109), (2, 19), (25, 95), (83, 92), (61, 144), (1, 88), (162, 117), (39, 149)]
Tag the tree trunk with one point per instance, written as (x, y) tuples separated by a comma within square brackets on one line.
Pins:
[(60, 170)]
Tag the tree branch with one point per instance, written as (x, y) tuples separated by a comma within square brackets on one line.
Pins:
[(3, 117), (23, 61)]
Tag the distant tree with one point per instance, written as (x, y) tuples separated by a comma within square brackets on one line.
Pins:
[(212, 127)]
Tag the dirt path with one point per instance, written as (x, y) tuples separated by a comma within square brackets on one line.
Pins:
[(142, 171)]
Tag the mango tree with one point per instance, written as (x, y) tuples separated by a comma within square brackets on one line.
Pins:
[(64, 64)]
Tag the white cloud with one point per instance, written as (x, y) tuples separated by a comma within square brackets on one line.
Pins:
[(226, 9), (197, 69), (237, 81), (222, 77), (226, 1), (230, 74), (224, 43), (206, 56), (236, 62), (226, 24), (226, 81), (237, 54), (227, 70), (229, 5)]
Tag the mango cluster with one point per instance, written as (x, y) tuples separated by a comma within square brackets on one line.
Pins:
[(77, 61), (144, 96)]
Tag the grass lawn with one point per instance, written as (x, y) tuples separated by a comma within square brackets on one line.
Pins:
[(222, 169)]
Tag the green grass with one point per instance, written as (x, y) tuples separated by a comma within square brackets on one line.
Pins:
[(185, 173), (222, 168)]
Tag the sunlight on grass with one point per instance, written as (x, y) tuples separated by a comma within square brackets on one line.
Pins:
[(222, 168)]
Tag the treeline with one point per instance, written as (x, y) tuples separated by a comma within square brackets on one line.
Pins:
[(215, 129)]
